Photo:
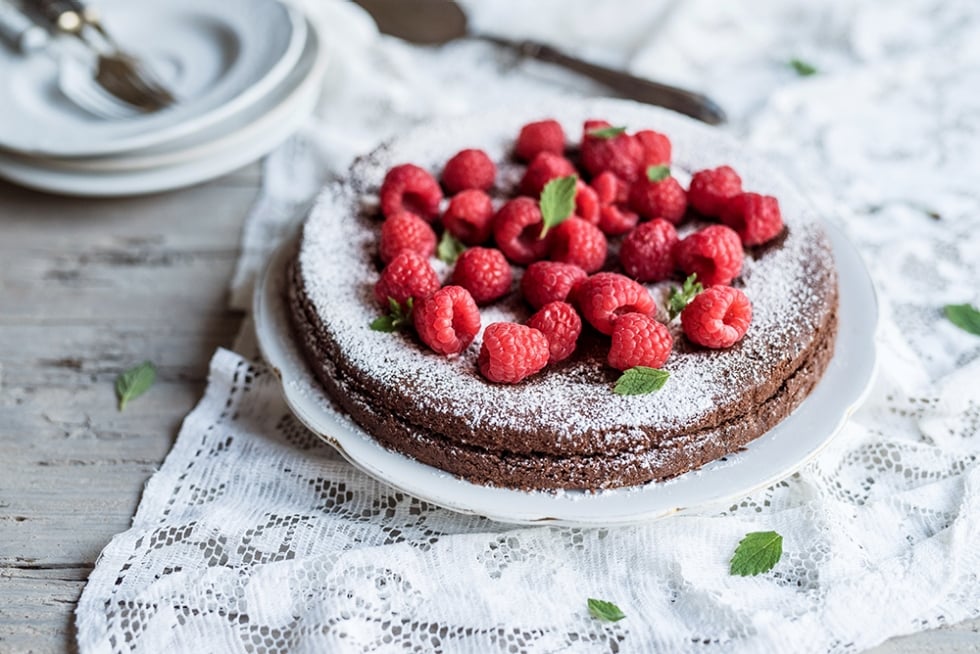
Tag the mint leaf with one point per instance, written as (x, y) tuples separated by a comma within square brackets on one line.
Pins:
[(658, 173), (603, 610), (681, 297), (802, 68), (758, 552), (640, 380), (964, 316), (557, 202), (449, 248), (134, 382), (398, 316), (607, 132)]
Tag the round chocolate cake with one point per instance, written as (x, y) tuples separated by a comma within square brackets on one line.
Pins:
[(563, 428)]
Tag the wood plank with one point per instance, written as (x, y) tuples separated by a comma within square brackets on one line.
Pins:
[(37, 608)]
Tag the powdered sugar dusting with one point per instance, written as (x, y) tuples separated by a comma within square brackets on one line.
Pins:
[(574, 405)]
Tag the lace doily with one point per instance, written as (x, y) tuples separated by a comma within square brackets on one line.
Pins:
[(255, 537)]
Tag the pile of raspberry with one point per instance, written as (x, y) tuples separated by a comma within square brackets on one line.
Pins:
[(623, 192)]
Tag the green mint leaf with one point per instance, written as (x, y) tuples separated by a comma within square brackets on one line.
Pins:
[(449, 248), (607, 132), (964, 316), (758, 552), (383, 324), (398, 316), (557, 202), (134, 382), (640, 380), (658, 173), (681, 297), (802, 68), (603, 610)]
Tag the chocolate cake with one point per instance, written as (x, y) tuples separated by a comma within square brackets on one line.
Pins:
[(564, 429)]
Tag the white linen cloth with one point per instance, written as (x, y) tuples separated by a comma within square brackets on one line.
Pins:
[(255, 537)]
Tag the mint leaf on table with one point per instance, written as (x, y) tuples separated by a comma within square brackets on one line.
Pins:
[(640, 380), (758, 552), (681, 297), (449, 248), (134, 382), (658, 173), (398, 316), (557, 202), (964, 316), (607, 132), (802, 68), (605, 610)]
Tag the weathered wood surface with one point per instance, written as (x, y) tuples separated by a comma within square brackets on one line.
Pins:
[(88, 288)]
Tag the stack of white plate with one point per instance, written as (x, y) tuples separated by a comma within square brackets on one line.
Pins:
[(246, 73)]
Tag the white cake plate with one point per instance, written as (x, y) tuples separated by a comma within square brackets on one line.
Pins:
[(771, 457)]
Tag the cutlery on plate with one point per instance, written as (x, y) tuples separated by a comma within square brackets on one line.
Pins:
[(18, 31), (119, 73), (439, 21)]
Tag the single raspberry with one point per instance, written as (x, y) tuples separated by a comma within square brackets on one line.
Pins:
[(661, 199), (579, 242), (469, 169), (560, 324), (620, 154), (714, 253), (755, 218), (656, 148), (549, 281), (542, 136), (711, 189), (469, 216), (408, 275), (484, 272), (610, 189), (512, 352), (448, 320), (586, 202), (405, 231), (718, 317), (647, 253), (517, 231), (545, 167), (604, 296), (638, 340), (616, 219), (410, 188)]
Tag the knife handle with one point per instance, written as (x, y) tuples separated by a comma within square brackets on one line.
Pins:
[(58, 15), (19, 31)]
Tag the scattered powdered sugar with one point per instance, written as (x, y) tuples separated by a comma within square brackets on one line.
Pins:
[(788, 286)]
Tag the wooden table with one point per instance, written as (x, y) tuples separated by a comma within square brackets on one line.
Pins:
[(89, 288)]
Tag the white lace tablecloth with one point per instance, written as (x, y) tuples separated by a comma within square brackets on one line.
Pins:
[(255, 537)]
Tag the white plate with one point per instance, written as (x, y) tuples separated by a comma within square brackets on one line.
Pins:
[(773, 456), (220, 58), (249, 136)]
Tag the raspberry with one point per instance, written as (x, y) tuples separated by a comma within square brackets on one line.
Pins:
[(469, 169), (615, 219), (410, 188), (448, 320), (586, 203), (406, 231), (711, 189), (561, 325), (656, 148), (549, 281), (605, 296), (610, 189), (517, 230), (638, 340), (647, 253), (484, 272), (407, 275), (718, 317), (542, 136), (664, 199), (545, 167), (469, 216), (620, 154), (512, 352), (579, 242), (755, 218), (714, 253)]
